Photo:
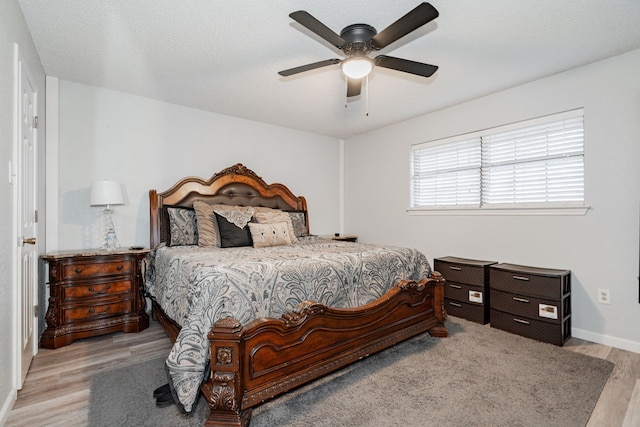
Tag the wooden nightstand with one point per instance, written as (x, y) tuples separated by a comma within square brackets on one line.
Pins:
[(94, 292), (345, 238)]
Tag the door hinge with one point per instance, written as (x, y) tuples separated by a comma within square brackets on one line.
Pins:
[(35, 310), (35, 216), (35, 122)]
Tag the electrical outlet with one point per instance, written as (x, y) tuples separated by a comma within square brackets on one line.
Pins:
[(604, 296)]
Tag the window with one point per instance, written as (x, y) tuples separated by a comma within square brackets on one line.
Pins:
[(534, 164)]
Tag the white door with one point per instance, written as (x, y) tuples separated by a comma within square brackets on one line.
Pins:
[(27, 221)]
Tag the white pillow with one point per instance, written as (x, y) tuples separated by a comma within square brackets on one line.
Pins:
[(275, 217), (270, 234)]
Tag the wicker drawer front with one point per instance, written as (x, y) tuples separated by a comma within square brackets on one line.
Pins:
[(461, 273), (79, 270), (522, 283), (552, 333), (96, 289), (474, 312), (526, 306), (80, 313), (464, 293)]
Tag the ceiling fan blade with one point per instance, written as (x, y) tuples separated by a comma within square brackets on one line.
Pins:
[(308, 67), (353, 87), (404, 65), (308, 21), (413, 20)]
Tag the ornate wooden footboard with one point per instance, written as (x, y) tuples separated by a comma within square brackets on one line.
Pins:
[(255, 362)]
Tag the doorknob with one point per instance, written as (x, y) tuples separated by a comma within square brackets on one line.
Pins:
[(29, 241)]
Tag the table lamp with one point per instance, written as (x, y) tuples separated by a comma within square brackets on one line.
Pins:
[(106, 193)]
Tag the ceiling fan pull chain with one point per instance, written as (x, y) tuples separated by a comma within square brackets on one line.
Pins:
[(346, 83), (366, 94)]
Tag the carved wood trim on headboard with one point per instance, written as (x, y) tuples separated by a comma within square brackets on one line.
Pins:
[(235, 185)]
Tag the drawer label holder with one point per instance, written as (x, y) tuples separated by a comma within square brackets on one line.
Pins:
[(475, 296), (548, 311)]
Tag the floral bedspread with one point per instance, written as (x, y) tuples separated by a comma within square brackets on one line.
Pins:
[(196, 286)]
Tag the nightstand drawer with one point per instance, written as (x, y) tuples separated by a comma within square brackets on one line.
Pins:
[(473, 312), (81, 270), (84, 313), (461, 272), (529, 307), (96, 289), (536, 329), (543, 283), (464, 293)]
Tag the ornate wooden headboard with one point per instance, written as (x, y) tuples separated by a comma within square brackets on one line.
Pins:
[(235, 185)]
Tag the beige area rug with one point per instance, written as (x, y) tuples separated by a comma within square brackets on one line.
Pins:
[(479, 376)]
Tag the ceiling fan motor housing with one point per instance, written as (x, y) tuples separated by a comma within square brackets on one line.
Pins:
[(358, 38)]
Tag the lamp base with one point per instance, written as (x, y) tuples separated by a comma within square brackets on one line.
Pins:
[(110, 240)]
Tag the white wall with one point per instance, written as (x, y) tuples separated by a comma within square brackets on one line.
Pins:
[(13, 30), (601, 247), (147, 144)]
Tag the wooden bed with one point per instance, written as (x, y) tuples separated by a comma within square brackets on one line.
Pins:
[(254, 362)]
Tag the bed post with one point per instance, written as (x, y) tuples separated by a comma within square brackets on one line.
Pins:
[(154, 218), (439, 330), (224, 388)]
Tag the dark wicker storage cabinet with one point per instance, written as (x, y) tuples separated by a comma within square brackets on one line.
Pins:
[(466, 292), (532, 302)]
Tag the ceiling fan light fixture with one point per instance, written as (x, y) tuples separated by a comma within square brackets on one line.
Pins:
[(356, 67)]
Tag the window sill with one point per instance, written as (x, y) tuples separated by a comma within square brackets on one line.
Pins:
[(561, 211)]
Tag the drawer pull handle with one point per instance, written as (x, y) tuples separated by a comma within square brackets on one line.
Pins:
[(102, 313), (99, 291), (455, 286), (78, 270), (120, 267), (520, 299), (456, 268), (526, 279), (455, 304), (524, 322)]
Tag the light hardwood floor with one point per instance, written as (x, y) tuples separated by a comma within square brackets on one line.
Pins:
[(56, 390)]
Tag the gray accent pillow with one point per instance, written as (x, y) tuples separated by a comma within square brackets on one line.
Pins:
[(183, 227), (298, 220)]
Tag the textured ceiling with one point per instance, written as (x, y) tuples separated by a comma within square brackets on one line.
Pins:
[(224, 56)]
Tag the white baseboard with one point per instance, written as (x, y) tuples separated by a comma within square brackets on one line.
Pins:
[(7, 405), (616, 342)]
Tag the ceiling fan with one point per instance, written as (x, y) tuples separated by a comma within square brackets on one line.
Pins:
[(357, 40)]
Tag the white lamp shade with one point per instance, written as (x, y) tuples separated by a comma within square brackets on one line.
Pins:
[(356, 67), (106, 192)]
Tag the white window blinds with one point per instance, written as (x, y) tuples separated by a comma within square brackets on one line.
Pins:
[(447, 174), (534, 163)]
